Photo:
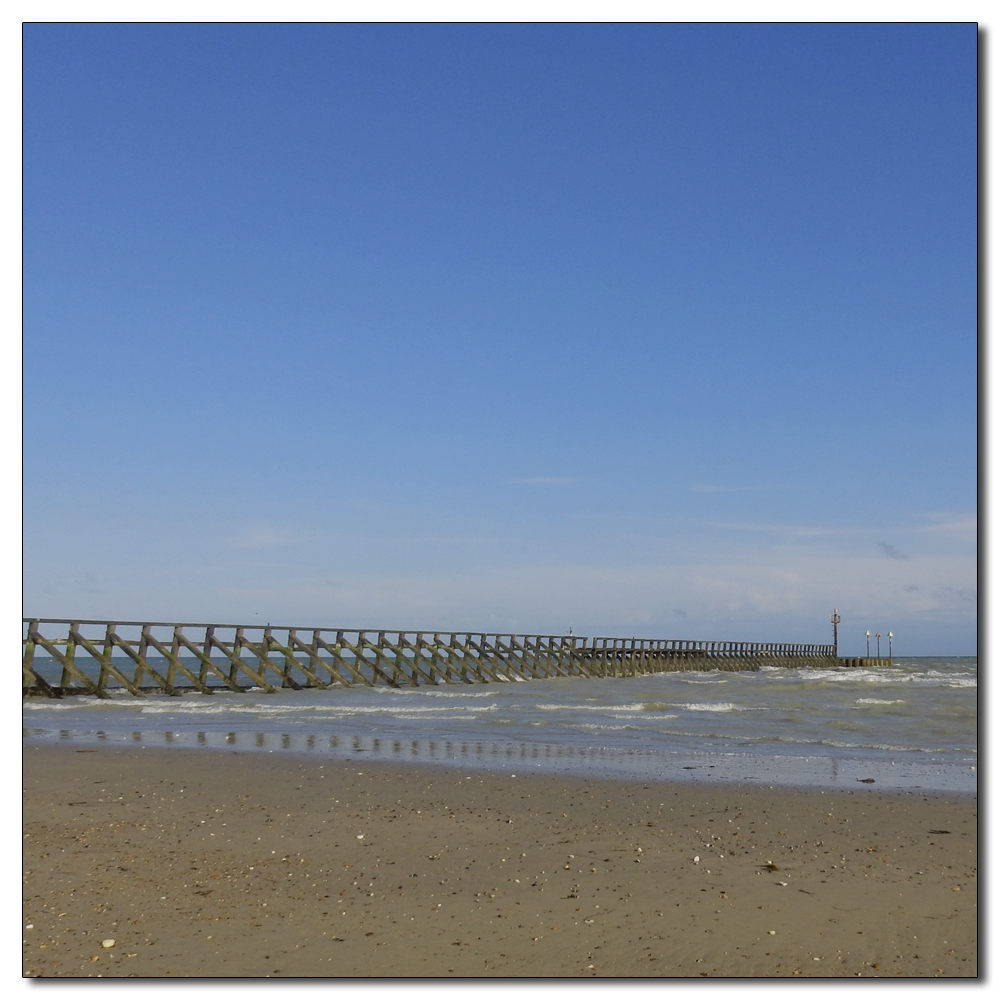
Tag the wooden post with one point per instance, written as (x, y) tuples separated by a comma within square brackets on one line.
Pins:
[(66, 679), (105, 660), (27, 661), (207, 647), (142, 656)]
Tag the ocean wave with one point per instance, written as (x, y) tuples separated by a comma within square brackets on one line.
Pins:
[(285, 709), (880, 701), (860, 675), (849, 744), (460, 717), (76, 702), (429, 692), (717, 706), (636, 707)]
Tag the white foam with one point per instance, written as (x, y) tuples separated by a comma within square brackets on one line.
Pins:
[(860, 675), (284, 708), (465, 717), (637, 707), (423, 692)]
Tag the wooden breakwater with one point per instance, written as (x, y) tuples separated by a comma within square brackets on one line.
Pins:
[(64, 657)]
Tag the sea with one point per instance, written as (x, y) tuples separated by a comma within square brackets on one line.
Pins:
[(909, 726)]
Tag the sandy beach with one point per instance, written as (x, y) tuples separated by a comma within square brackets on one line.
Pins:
[(187, 863)]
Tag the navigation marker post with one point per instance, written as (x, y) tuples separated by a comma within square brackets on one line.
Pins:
[(835, 619)]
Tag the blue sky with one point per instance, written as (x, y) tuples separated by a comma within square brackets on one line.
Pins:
[(643, 329)]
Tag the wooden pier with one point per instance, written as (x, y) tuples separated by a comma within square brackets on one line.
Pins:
[(64, 657)]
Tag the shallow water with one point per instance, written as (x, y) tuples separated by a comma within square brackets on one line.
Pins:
[(910, 725)]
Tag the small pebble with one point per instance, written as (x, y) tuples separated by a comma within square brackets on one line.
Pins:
[(361, 836), (108, 943)]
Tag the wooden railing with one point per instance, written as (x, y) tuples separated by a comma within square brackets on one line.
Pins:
[(97, 657)]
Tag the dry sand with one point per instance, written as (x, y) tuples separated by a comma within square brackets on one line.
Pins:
[(198, 863)]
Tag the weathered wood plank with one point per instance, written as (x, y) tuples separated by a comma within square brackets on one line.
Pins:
[(142, 666), (237, 663), (206, 664), (104, 658), (69, 667), (466, 657), (174, 664)]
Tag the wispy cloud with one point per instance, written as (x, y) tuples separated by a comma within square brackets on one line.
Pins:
[(960, 523), (262, 536), (712, 488), (546, 481), (891, 551), (716, 599), (790, 530)]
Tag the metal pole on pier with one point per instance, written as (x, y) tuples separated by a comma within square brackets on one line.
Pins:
[(878, 645), (868, 643), (890, 645), (835, 619)]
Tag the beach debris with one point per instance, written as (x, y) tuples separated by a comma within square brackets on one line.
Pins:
[(769, 866), (866, 781), (108, 943), (772, 932), (361, 836), (697, 858), (939, 831)]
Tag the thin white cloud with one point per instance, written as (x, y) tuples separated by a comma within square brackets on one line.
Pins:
[(792, 530), (965, 523), (546, 481), (712, 488), (261, 536), (720, 599)]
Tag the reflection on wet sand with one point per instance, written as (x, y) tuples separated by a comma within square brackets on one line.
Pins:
[(642, 764)]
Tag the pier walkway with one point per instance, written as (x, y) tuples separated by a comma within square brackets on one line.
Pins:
[(64, 657)]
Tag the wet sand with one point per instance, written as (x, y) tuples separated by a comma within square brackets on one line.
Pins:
[(215, 864)]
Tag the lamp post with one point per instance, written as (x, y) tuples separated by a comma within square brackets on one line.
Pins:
[(890, 645), (835, 619), (878, 645), (868, 643)]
